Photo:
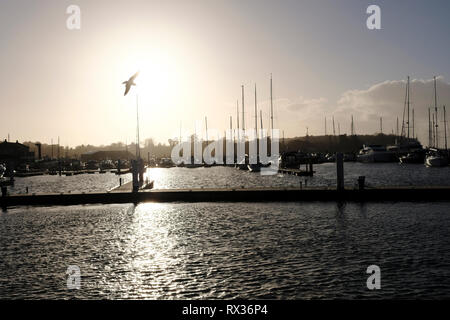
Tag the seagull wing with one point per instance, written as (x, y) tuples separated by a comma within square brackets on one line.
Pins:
[(127, 88), (134, 76)]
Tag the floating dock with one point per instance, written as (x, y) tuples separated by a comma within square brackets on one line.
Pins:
[(392, 194), (297, 172)]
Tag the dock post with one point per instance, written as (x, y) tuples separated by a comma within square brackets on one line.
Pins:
[(141, 171), (340, 171), (361, 181), (134, 169)]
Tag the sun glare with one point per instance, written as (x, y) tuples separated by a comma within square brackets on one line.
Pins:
[(157, 77)]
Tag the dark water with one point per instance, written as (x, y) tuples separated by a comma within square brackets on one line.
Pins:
[(226, 250), (389, 174), (218, 250)]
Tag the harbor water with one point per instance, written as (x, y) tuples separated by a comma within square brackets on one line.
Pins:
[(382, 174), (226, 250)]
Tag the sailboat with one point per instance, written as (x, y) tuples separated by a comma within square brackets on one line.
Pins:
[(436, 157), (406, 148), (242, 165), (206, 165), (255, 167), (415, 156)]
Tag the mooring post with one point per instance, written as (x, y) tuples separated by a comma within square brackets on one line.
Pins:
[(141, 171), (340, 171), (135, 169), (361, 181)]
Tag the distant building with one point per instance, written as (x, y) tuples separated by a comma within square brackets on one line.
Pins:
[(15, 153), (106, 155)]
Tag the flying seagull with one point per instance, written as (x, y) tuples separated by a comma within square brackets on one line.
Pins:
[(130, 83)]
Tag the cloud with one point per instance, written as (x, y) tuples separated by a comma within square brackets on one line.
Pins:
[(385, 99), (306, 105), (388, 98)]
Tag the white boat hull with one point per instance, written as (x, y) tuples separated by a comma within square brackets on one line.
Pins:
[(434, 161), (375, 157)]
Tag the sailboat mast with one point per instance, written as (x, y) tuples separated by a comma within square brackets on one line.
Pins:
[(436, 114), (231, 128), (261, 120), (256, 125), (271, 107), (243, 112), (237, 119), (396, 132), (429, 128), (408, 105), (334, 131), (413, 125), (206, 126), (352, 127), (138, 149), (256, 114), (381, 125), (445, 129), (434, 134)]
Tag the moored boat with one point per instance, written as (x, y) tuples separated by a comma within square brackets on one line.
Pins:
[(375, 153), (436, 158), (417, 156)]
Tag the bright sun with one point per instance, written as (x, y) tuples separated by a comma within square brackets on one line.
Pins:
[(160, 87), (157, 76)]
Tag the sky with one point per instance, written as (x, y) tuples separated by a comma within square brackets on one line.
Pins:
[(193, 57)]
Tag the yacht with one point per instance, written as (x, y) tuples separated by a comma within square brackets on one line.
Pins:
[(375, 153), (436, 158), (2, 170), (166, 163), (416, 156)]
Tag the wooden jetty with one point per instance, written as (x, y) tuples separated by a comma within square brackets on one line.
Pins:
[(124, 195), (297, 172), (128, 187), (309, 172)]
